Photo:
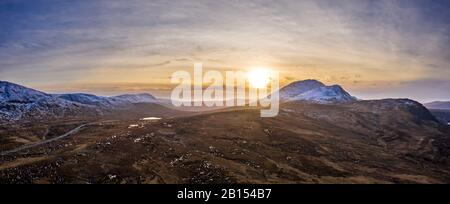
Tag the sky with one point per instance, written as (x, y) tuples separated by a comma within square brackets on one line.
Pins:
[(374, 49)]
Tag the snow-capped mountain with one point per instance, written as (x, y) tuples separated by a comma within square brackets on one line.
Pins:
[(315, 91), (14, 93), (20, 103), (296, 88)]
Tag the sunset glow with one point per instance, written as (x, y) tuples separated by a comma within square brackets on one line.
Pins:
[(258, 78)]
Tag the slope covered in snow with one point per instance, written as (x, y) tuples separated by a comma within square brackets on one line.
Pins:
[(326, 94), (86, 99), (13, 93), (108, 102), (299, 87), (135, 98), (19, 103)]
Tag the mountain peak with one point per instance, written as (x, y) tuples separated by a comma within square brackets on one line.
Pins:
[(314, 91), (298, 87), (308, 83)]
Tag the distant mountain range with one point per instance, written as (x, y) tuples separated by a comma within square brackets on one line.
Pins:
[(440, 109), (19, 103), (316, 92), (442, 105)]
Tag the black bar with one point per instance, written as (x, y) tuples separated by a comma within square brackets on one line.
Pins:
[(170, 193)]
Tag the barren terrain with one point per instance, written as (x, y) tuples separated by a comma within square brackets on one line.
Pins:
[(306, 143)]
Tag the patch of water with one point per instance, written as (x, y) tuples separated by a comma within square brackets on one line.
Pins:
[(133, 126), (151, 118)]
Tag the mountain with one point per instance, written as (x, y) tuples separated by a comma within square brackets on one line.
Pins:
[(22, 103), (135, 98), (315, 92), (442, 105), (14, 93), (108, 102), (19, 103)]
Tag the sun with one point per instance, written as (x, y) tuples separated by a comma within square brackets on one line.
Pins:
[(258, 78)]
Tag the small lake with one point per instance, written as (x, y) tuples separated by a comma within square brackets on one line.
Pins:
[(151, 118), (133, 126)]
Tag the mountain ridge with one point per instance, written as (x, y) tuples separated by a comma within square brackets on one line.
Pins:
[(18, 102)]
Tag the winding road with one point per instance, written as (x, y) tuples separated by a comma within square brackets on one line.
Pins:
[(71, 132)]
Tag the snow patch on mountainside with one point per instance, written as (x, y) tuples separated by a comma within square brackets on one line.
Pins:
[(136, 98), (86, 99), (108, 102)]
